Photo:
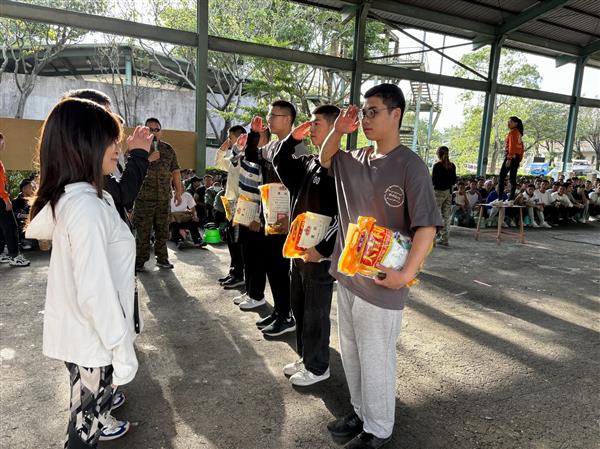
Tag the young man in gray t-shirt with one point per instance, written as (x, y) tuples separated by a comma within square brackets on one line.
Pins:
[(390, 183)]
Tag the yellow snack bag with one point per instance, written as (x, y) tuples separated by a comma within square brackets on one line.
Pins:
[(368, 246), (276, 207), (246, 211), (227, 205), (307, 230)]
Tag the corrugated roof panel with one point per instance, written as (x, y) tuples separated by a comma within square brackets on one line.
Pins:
[(515, 6), (589, 6), (556, 33), (461, 8), (567, 18)]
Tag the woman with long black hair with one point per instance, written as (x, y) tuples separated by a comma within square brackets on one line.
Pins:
[(89, 310), (443, 177), (514, 155)]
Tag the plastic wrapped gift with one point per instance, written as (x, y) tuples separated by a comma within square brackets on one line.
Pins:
[(246, 211), (369, 246), (229, 207), (307, 230), (276, 207)]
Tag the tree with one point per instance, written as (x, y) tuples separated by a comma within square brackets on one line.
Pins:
[(588, 130), (32, 45), (129, 87), (513, 71), (272, 22)]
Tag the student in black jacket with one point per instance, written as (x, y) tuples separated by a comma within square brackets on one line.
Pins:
[(311, 288)]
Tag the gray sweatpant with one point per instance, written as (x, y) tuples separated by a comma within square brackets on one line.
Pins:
[(368, 337)]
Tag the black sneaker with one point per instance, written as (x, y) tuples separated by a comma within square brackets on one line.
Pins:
[(233, 283), (367, 441), (224, 279), (266, 321), (348, 426), (165, 264), (140, 268), (280, 326)]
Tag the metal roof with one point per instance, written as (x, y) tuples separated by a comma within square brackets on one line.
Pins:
[(550, 27)]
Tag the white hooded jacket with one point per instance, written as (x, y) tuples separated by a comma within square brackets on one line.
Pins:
[(88, 318)]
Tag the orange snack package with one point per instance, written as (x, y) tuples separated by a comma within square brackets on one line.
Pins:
[(369, 246), (276, 207), (227, 205), (307, 230)]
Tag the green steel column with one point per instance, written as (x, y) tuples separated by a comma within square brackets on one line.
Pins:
[(201, 83), (488, 107), (573, 111), (358, 50)]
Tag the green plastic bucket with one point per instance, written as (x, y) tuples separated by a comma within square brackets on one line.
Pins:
[(212, 236)]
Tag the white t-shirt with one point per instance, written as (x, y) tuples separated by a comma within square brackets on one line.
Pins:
[(461, 200), (563, 199), (595, 198), (543, 198), (187, 202)]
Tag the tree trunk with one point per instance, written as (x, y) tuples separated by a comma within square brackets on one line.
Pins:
[(27, 89)]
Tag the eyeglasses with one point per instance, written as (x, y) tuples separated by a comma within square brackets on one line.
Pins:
[(154, 130), (371, 112), (277, 115)]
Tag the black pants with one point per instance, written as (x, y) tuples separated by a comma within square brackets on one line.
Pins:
[(311, 288), (263, 257), (236, 266), (191, 226), (512, 170), (9, 233)]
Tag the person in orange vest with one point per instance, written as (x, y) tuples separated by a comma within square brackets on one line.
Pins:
[(514, 155)]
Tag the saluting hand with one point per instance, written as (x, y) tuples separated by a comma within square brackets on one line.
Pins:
[(241, 141), (302, 131), (347, 122), (257, 125), (140, 139)]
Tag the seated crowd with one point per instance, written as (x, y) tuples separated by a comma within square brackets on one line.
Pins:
[(548, 203)]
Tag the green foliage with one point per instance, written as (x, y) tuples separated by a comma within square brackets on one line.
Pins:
[(14, 178)]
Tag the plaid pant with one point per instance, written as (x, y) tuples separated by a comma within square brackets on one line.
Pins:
[(91, 401)]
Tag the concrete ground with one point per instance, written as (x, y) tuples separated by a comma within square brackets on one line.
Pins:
[(499, 349)]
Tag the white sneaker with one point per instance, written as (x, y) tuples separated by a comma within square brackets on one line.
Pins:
[(114, 429), (543, 224), (19, 261), (292, 368), (304, 378), (5, 258), (249, 303), (240, 298), (535, 225)]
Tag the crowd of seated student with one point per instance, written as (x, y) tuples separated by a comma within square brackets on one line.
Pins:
[(547, 203)]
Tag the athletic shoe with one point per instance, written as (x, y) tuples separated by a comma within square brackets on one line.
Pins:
[(249, 303), (233, 283), (266, 321), (367, 441), (200, 244), (223, 279), (280, 326), (348, 426), (292, 368), (304, 378), (140, 268), (26, 245), (118, 400), (5, 258), (240, 299), (165, 264), (114, 429), (535, 225), (544, 224), (18, 261)]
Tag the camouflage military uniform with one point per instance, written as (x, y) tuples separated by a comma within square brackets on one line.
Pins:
[(152, 206)]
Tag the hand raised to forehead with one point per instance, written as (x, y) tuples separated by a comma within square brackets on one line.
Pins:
[(242, 140), (347, 122), (141, 138), (302, 131), (257, 125)]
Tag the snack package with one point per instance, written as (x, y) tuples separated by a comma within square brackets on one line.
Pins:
[(246, 211), (276, 207), (229, 207), (368, 246), (307, 230)]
